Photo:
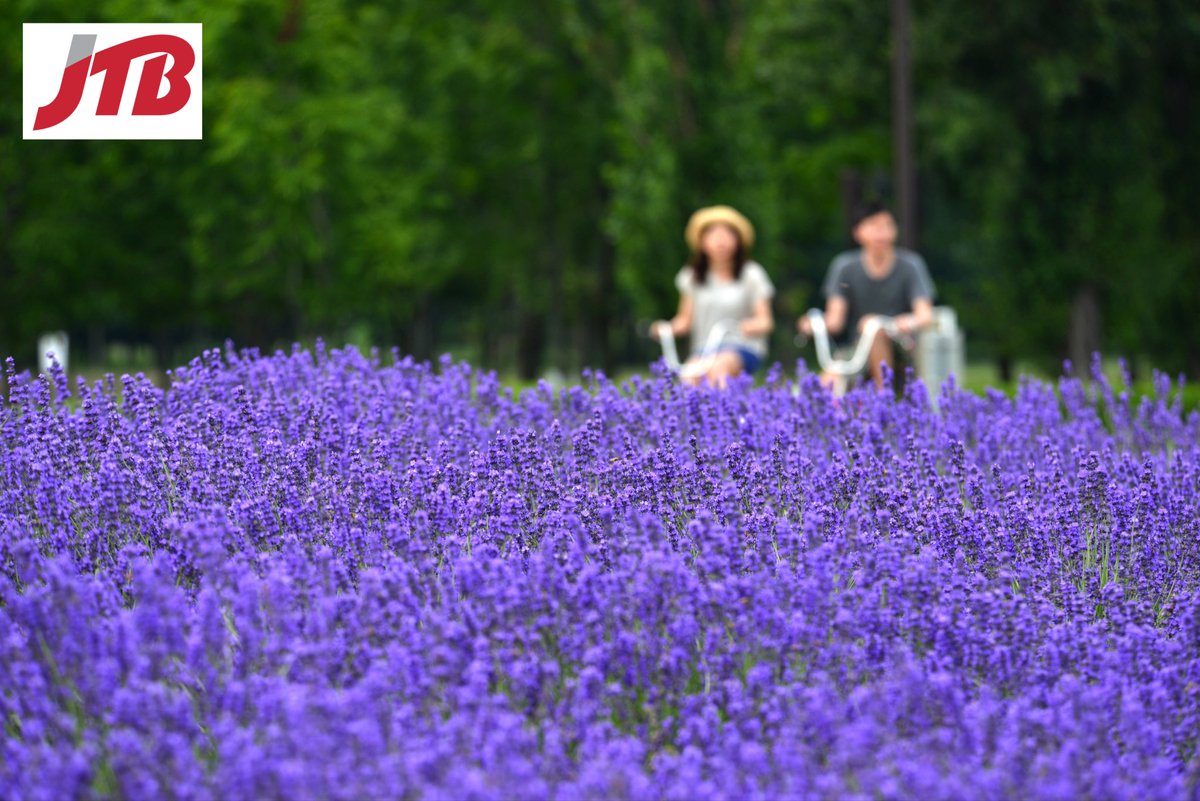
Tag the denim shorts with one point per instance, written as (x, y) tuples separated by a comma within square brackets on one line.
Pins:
[(750, 359)]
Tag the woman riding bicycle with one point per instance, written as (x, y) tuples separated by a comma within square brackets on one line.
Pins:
[(723, 296)]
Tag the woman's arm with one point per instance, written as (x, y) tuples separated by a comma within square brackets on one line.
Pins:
[(761, 323), (681, 323)]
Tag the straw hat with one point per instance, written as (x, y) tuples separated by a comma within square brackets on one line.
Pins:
[(714, 214)]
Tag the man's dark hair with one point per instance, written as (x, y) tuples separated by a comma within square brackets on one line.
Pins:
[(867, 209)]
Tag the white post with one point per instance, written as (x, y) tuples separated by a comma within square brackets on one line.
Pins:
[(941, 351), (53, 343)]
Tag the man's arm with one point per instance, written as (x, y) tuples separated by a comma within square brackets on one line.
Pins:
[(835, 317), (921, 292), (835, 314), (836, 306), (919, 319)]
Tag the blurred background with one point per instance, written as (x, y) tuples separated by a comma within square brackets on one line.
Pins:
[(508, 180)]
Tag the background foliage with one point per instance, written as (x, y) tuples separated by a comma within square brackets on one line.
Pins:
[(509, 179)]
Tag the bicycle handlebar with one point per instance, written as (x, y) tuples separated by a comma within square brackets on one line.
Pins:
[(854, 365), (666, 338)]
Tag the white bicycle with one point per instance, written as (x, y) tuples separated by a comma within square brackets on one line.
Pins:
[(694, 368), (845, 368)]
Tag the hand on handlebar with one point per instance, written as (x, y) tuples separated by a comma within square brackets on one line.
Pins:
[(866, 319), (903, 324), (900, 328)]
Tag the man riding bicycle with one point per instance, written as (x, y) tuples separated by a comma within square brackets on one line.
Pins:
[(877, 280)]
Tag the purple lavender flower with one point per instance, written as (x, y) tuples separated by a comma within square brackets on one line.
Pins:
[(314, 575)]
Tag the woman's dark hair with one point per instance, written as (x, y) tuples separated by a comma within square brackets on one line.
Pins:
[(699, 262)]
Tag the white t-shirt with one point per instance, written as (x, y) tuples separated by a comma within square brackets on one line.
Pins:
[(718, 300)]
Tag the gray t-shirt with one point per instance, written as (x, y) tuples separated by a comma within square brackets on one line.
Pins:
[(717, 300), (891, 295)]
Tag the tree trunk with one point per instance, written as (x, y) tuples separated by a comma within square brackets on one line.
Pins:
[(531, 344), (163, 349), (1084, 336), (603, 319), (421, 335), (1004, 367), (903, 151), (489, 356), (853, 190), (97, 344)]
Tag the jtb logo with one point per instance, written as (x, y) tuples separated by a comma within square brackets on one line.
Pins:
[(165, 105), (114, 62)]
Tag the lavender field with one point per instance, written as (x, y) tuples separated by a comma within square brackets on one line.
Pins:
[(326, 575)]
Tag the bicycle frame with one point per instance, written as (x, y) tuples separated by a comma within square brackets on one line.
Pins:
[(848, 368), (699, 367)]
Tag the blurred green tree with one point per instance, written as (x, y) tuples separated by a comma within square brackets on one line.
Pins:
[(510, 178)]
